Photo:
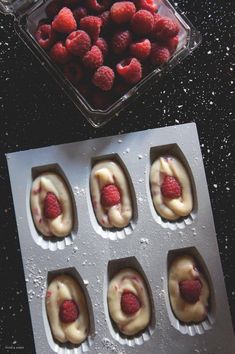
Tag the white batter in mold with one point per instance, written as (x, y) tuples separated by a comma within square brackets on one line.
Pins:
[(61, 225), (62, 288), (129, 280), (170, 209), (183, 268), (105, 173)]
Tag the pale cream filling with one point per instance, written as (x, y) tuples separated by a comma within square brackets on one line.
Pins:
[(109, 172), (64, 287), (170, 209), (62, 225), (183, 268), (129, 280)]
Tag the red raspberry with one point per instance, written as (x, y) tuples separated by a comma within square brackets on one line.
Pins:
[(142, 22), (141, 49), (98, 5), (121, 41), (93, 58), (79, 13), (69, 311), (52, 207), (110, 195), (104, 78), (130, 303), (122, 12), (165, 28), (59, 53), (148, 5), (172, 43), (159, 55), (102, 45), (45, 36), (53, 8), (130, 70), (106, 18), (64, 22), (100, 100), (91, 25), (73, 72), (190, 290), (78, 43), (171, 188)]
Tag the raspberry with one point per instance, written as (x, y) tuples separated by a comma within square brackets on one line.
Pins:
[(122, 12), (165, 28), (93, 58), (130, 303), (121, 41), (141, 49), (59, 53), (130, 70), (45, 36), (98, 5), (53, 8), (79, 13), (69, 311), (148, 5), (78, 43), (110, 195), (105, 18), (159, 55), (102, 45), (171, 188), (73, 72), (52, 207), (103, 78), (142, 22), (190, 290), (91, 25), (172, 44), (64, 22)]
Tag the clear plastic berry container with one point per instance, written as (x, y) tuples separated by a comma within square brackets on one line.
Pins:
[(28, 13)]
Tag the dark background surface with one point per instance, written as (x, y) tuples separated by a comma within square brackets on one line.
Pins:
[(34, 112)]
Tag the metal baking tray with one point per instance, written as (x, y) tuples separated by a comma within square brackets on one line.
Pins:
[(92, 254)]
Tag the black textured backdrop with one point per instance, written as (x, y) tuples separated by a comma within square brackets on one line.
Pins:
[(34, 112)]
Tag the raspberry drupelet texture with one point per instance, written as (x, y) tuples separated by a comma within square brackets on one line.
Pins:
[(171, 44), (148, 5), (102, 45), (91, 25), (69, 311), (171, 188), (121, 42), (159, 55), (110, 195), (141, 49), (104, 78), (165, 28), (78, 43), (52, 207), (142, 22), (130, 70), (59, 53), (64, 22), (79, 12), (73, 72), (45, 36), (98, 5), (93, 58), (130, 303), (53, 8), (105, 18), (122, 12)]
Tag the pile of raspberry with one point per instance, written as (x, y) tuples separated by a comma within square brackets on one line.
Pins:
[(105, 47)]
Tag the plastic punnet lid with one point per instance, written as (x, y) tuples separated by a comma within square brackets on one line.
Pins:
[(15, 7)]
